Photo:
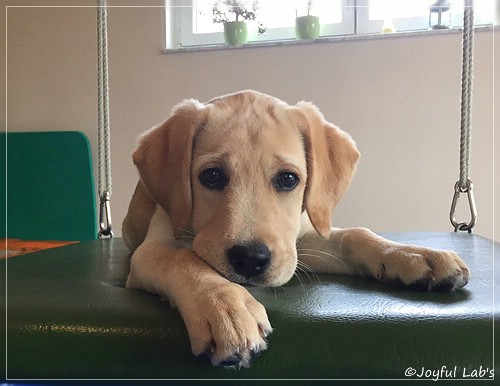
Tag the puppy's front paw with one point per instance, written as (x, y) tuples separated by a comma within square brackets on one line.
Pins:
[(227, 325), (424, 268)]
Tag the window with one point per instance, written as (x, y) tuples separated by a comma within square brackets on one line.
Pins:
[(413, 15), (190, 21)]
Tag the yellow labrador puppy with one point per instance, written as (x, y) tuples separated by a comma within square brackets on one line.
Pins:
[(248, 179)]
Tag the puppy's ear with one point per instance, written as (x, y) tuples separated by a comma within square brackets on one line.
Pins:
[(331, 161), (163, 159)]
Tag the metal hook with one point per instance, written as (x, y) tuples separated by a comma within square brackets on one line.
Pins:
[(105, 227), (463, 226)]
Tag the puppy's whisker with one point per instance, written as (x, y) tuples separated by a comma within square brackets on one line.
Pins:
[(186, 231), (329, 255), (302, 255), (297, 275), (321, 258), (185, 239), (303, 266), (317, 251), (307, 269), (184, 236), (190, 235)]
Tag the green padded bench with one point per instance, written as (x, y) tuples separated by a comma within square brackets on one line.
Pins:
[(50, 186), (69, 317)]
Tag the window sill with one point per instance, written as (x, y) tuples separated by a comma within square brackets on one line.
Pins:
[(331, 39)]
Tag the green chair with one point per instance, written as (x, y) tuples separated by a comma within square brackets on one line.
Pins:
[(49, 186)]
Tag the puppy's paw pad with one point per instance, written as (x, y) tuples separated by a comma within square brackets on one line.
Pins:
[(233, 361)]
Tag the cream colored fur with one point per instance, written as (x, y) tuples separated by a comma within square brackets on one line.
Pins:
[(180, 231)]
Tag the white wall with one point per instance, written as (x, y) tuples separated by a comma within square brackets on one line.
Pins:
[(398, 97)]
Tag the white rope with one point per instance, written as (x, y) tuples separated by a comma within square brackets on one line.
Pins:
[(464, 184), (467, 68), (103, 129)]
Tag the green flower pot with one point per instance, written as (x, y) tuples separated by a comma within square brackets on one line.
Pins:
[(307, 27), (235, 32)]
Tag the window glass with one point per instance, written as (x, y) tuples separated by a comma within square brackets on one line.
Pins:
[(190, 22)]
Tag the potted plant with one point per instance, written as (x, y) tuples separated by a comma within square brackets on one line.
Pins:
[(308, 26), (233, 14)]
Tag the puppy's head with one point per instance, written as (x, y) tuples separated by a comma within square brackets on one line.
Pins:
[(239, 171)]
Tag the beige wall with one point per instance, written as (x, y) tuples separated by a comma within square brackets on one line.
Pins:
[(398, 97)]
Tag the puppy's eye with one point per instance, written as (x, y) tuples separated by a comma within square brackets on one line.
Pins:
[(213, 178), (285, 181)]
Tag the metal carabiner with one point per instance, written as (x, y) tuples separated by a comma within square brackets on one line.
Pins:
[(463, 226), (105, 227)]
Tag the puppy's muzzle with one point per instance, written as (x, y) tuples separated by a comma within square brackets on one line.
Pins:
[(249, 260)]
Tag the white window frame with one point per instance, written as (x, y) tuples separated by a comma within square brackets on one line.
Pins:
[(355, 21), (366, 26), (179, 32)]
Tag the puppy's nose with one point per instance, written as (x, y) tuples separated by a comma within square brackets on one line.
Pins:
[(249, 260)]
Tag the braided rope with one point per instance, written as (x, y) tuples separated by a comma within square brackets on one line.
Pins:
[(466, 98), (464, 184), (103, 129), (104, 152)]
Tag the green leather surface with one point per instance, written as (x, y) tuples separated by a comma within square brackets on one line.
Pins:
[(68, 316), (50, 186)]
